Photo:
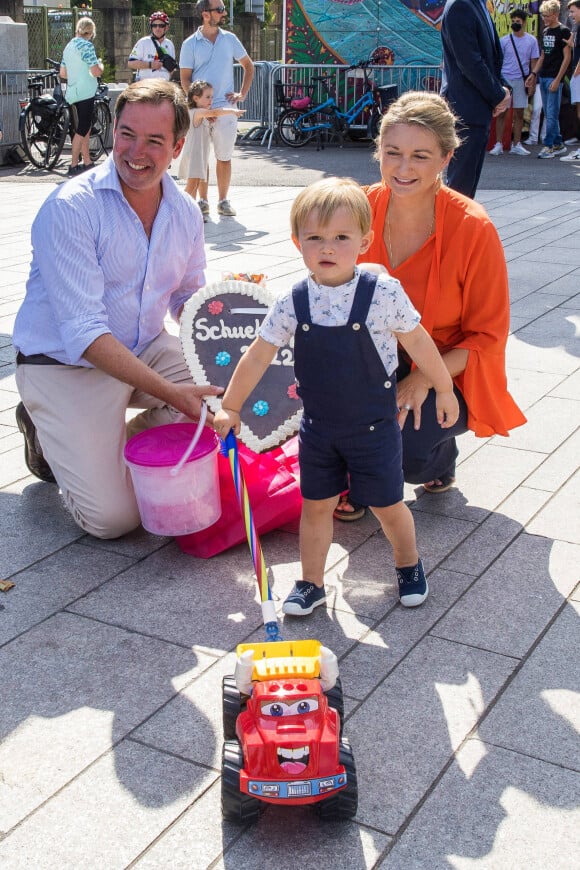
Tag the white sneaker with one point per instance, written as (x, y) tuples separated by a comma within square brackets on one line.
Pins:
[(529, 141), (571, 157), (546, 153), (496, 150), (559, 149), (519, 149), (571, 141)]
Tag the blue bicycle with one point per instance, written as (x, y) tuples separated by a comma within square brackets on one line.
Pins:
[(302, 121)]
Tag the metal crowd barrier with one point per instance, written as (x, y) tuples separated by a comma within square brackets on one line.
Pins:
[(12, 89), (344, 84)]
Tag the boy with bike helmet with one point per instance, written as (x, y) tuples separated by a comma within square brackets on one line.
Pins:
[(153, 56)]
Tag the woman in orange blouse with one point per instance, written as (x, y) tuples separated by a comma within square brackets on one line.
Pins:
[(447, 254)]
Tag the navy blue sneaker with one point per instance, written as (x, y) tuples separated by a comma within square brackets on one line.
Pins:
[(413, 589), (304, 598)]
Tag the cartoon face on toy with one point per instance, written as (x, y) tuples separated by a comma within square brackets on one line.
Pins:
[(292, 759), (289, 729)]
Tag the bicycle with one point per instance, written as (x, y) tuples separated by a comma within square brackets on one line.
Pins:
[(301, 122), (47, 119)]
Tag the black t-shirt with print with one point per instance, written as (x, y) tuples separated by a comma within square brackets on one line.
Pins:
[(552, 43)]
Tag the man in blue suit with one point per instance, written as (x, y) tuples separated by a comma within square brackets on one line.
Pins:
[(472, 85)]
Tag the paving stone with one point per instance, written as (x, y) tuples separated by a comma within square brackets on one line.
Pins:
[(550, 422), (494, 810), (52, 583), (568, 388), (291, 837), (407, 731), (33, 524), (560, 518), (195, 840), (539, 713), (487, 541), (557, 468), (380, 650), (71, 688), (515, 599), (145, 792)]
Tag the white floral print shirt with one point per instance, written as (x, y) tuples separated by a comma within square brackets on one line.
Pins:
[(390, 311)]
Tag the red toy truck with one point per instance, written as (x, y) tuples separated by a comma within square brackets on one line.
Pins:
[(283, 713)]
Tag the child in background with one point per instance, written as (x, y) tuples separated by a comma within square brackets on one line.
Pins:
[(345, 323), (194, 165)]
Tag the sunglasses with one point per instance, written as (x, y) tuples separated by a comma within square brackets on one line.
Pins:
[(219, 9), (154, 26)]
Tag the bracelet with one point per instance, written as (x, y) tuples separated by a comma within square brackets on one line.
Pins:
[(532, 73)]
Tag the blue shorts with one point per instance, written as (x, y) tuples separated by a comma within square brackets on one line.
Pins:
[(366, 459)]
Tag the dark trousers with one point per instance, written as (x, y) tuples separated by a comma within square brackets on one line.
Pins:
[(431, 451), (467, 162)]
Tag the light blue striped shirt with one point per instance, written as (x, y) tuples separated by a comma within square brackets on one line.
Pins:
[(94, 271)]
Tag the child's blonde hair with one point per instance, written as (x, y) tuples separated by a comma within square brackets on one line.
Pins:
[(325, 197), (196, 89)]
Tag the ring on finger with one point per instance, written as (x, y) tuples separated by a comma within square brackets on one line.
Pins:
[(406, 407)]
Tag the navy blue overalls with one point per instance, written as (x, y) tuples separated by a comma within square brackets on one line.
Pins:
[(350, 413)]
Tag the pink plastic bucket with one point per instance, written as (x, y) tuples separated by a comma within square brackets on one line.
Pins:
[(175, 504)]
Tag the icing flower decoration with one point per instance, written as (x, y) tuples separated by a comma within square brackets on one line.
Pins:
[(223, 358), (292, 392), (215, 307), (261, 408)]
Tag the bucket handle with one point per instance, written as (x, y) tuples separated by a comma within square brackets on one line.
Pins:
[(196, 436)]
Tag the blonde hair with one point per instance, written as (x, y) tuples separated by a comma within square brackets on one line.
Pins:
[(155, 92), (550, 7), (325, 197), (196, 89), (429, 111), (86, 27)]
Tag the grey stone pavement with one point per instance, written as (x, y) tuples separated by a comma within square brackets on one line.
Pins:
[(463, 714)]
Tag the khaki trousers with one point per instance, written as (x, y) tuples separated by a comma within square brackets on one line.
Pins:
[(80, 418)]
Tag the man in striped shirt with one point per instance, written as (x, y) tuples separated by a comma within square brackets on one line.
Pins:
[(114, 250)]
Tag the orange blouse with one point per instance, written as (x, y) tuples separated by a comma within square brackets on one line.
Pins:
[(458, 281)]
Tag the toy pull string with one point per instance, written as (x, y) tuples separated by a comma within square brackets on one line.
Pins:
[(230, 449)]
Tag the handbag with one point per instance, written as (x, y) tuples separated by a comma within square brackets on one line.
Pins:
[(169, 63), (529, 90)]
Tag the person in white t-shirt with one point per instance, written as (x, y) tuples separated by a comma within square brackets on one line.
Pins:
[(519, 49), (148, 57)]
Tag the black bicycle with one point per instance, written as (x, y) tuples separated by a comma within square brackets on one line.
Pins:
[(46, 119)]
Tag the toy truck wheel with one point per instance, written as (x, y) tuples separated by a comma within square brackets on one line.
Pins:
[(233, 702), (336, 700), (343, 804), (236, 806)]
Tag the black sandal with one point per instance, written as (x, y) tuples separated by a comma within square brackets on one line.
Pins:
[(357, 513), (446, 481)]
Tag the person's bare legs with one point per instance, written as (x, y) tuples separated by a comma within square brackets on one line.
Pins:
[(499, 126), (80, 146), (518, 123), (399, 527), (316, 537), (191, 187), (203, 189), (223, 171)]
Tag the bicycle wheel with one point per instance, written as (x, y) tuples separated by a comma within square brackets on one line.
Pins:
[(101, 124), (43, 137), (288, 132)]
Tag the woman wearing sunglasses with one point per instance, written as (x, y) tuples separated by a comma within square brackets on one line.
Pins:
[(149, 55)]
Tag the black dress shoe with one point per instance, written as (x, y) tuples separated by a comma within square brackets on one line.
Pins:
[(35, 461)]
